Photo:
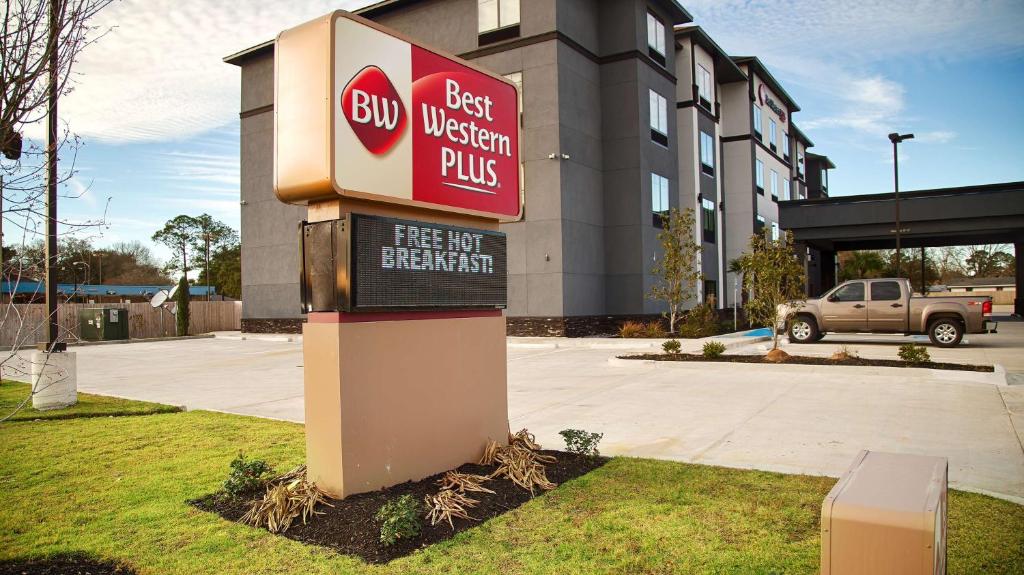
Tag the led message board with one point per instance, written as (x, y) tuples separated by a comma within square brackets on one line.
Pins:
[(374, 263), (409, 264)]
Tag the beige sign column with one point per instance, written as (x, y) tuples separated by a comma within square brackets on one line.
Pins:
[(392, 397)]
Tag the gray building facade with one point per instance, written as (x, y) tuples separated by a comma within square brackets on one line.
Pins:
[(614, 101)]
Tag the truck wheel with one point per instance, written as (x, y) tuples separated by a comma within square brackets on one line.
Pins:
[(946, 332), (803, 329)]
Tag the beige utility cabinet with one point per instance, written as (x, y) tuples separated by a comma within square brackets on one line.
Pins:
[(886, 515)]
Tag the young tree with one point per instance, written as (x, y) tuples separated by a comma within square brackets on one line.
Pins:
[(210, 235), (774, 276), (180, 234), (678, 267), (861, 264), (181, 303)]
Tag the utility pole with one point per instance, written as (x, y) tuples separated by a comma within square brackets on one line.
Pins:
[(53, 326)]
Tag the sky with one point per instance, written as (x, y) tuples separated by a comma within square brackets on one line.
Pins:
[(157, 108)]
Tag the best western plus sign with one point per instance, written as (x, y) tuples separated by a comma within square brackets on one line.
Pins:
[(409, 125)]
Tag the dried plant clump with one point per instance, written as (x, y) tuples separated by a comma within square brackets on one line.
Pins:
[(524, 467), (490, 453), (464, 482), (288, 497), (448, 504), (524, 439)]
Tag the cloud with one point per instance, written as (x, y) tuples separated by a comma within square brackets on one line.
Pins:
[(834, 49), (936, 137), (158, 74)]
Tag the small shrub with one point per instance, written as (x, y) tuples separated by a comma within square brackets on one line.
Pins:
[(845, 353), (400, 519), (631, 329), (672, 346), (581, 442), (713, 349), (246, 475), (654, 329), (701, 321), (914, 354)]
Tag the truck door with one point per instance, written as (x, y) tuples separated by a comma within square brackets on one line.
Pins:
[(887, 308), (846, 308)]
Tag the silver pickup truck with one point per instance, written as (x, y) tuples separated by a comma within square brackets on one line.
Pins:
[(888, 305)]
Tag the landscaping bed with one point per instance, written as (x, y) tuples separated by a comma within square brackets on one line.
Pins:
[(350, 525), (807, 360), (63, 565)]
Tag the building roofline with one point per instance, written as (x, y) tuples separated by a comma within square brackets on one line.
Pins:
[(905, 195), (761, 70), (237, 58), (823, 158), (730, 72), (680, 16), (800, 134)]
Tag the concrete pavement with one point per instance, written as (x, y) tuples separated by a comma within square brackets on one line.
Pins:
[(789, 418)]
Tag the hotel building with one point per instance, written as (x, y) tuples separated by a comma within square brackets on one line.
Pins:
[(628, 111)]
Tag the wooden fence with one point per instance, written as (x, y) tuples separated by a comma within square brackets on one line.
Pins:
[(23, 324)]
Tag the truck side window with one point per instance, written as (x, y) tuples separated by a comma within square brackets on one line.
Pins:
[(885, 291), (850, 292)]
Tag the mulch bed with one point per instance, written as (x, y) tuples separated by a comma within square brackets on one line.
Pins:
[(805, 360), (63, 565), (351, 527)]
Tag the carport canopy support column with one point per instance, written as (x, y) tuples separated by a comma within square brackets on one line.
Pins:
[(1018, 300)]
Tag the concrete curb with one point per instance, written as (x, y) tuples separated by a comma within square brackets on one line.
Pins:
[(126, 341), (938, 375), (631, 344), (259, 337)]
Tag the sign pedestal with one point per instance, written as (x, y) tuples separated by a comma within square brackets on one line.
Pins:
[(398, 396), (400, 399), (404, 348)]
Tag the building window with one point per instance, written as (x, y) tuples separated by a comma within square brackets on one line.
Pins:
[(785, 146), (759, 176), (775, 186), (708, 220), (759, 224), (497, 20), (704, 86), (655, 39), (757, 122), (771, 134), (659, 198), (775, 232), (707, 154), (786, 191), (824, 179), (800, 165), (659, 118), (710, 290)]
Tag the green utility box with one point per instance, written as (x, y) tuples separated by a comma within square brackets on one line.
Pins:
[(103, 324)]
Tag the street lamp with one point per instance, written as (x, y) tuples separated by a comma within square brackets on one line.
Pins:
[(896, 139)]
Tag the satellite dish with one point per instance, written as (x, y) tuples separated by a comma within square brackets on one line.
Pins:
[(173, 309), (159, 299), (174, 290)]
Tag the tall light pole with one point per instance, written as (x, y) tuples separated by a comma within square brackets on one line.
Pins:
[(52, 323), (896, 139)]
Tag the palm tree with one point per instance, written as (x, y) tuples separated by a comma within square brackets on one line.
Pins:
[(860, 265)]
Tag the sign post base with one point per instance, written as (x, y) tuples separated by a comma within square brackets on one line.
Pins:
[(402, 396)]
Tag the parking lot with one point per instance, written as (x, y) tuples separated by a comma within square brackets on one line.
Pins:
[(789, 418)]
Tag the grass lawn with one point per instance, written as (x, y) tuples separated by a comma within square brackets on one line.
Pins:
[(12, 393), (116, 488)]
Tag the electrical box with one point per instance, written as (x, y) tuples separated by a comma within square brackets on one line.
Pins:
[(886, 515), (103, 324)]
